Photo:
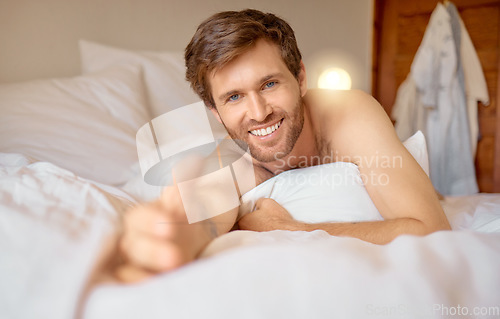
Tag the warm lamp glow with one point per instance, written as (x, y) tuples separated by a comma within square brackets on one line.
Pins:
[(334, 79)]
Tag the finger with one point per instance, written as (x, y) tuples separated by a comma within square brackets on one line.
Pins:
[(150, 253), (242, 225), (171, 204), (170, 196), (262, 202), (245, 222), (148, 219), (131, 274)]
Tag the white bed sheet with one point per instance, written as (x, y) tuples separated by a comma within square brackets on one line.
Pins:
[(312, 275), (55, 228)]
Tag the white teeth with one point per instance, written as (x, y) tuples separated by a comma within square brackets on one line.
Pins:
[(266, 131)]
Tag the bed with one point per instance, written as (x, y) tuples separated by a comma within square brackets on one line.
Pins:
[(69, 170)]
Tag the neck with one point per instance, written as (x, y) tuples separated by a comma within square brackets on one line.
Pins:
[(304, 153)]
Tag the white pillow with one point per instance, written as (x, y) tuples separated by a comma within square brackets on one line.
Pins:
[(164, 73), (417, 147), (332, 192), (85, 124)]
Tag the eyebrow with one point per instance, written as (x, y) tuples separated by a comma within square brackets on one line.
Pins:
[(223, 96)]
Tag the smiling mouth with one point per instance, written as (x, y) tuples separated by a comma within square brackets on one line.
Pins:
[(266, 131)]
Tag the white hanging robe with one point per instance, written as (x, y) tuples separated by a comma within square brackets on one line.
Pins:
[(433, 99)]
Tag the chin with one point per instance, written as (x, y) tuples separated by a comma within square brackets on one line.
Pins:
[(270, 154)]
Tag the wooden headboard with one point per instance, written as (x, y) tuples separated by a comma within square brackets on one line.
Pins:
[(399, 26)]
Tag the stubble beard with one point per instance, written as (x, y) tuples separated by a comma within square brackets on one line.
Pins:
[(295, 119)]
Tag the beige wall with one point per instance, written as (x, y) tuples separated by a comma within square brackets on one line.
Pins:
[(38, 38)]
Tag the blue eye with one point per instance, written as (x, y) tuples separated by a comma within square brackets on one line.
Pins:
[(270, 84), (234, 97)]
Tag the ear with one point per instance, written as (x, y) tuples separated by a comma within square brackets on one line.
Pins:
[(216, 114), (302, 79)]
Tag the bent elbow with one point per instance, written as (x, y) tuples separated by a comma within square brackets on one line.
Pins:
[(436, 225)]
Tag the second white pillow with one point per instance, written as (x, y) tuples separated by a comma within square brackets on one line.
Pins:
[(164, 73), (85, 124)]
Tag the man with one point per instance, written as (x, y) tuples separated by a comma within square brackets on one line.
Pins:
[(248, 70)]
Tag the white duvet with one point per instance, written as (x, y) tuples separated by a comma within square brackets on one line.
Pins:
[(55, 228)]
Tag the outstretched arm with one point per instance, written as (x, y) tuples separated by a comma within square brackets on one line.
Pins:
[(269, 215), (357, 128), (157, 237)]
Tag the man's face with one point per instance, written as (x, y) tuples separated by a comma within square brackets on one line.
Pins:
[(259, 101)]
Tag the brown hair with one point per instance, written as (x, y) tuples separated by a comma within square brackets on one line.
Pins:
[(226, 35)]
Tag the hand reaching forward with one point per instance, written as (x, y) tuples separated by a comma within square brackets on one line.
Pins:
[(157, 238), (268, 215)]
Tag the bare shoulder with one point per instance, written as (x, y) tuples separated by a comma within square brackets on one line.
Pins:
[(349, 118), (357, 128), (349, 104)]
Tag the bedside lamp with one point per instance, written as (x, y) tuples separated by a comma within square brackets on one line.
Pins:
[(335, 79)]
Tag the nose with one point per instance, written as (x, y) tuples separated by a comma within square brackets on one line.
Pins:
[(258, 108)]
